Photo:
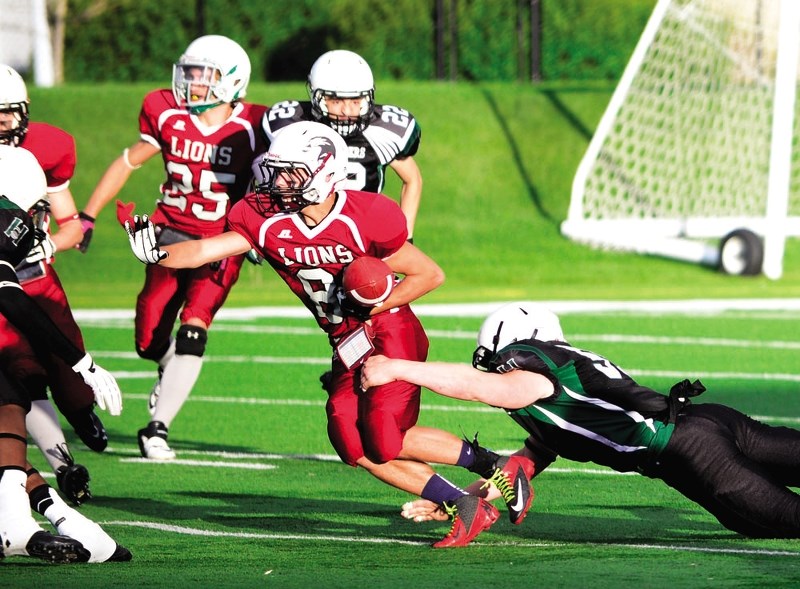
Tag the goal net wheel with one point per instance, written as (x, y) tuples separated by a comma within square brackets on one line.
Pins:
[(741, 253)]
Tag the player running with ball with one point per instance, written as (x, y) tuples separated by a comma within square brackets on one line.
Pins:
[(309, 232)]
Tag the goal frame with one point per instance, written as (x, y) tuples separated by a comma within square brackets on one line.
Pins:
[(687, 238)]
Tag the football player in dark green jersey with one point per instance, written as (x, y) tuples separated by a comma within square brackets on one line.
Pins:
[(579, 405)]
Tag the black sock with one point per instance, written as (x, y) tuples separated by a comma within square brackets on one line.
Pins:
[(40, 499)]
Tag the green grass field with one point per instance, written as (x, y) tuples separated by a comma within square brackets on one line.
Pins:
[(497, 162), (257, 499)]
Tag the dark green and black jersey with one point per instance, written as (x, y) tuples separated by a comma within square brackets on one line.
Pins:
[(393, 133), (17, 236), (597, 412), (16, 232)]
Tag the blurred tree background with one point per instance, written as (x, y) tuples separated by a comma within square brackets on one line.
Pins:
[(480, 40)]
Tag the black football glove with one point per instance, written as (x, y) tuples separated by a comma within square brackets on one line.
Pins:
[(351, 309), (87, 226)]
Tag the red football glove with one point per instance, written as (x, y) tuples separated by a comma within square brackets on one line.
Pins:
[(125, 212)]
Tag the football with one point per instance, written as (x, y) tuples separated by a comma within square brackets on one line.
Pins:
[(368, 281)]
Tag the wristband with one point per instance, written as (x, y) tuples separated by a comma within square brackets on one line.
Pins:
[(128, 162)]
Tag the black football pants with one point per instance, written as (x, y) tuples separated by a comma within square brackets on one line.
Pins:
[(735, 467)]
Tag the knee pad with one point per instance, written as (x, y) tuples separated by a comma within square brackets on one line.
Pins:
[(191, 340)]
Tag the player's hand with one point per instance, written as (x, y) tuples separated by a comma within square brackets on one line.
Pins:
[(43, 250), (142, 235), (423, 510), (375, 372), (106, 390), (351, 309), (87, 227)]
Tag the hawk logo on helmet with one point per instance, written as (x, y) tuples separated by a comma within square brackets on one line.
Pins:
[(326, 149)]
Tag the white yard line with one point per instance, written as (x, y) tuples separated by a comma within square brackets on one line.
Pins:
[(682, 307), (374, 540)]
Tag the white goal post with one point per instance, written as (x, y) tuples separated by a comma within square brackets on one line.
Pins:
[(696, 157), (25, 41)]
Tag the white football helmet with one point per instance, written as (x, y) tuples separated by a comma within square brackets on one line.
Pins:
[(22, 180), (341, 74), (13, 101), (511, 323), (304, 164), (216, 63)]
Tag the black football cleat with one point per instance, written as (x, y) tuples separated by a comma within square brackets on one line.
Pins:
[(73, 479), (56, 549), (89, 428)]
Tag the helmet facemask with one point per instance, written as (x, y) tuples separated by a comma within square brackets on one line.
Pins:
[(344, 125), (16, 119), (512, 323), (217, 66), (188, 77), (303, 166), (287, 186), (482, 356)]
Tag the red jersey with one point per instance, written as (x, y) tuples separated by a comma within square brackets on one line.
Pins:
[(208, 168), (311, 259), (54, 149)]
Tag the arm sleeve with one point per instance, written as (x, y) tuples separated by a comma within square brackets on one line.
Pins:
[(24, 314)]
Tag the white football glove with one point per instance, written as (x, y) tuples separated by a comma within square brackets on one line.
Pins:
[(142, 236), (42, 250), (106, 390)]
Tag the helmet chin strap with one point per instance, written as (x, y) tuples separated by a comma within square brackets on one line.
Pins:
[(496, 338)]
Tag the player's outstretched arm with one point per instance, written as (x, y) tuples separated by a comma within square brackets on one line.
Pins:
[(24, 314), (511, 390), (64, 211), (112, 181), (192, 253)]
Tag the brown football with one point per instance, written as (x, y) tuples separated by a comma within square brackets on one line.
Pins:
[(368, 281)]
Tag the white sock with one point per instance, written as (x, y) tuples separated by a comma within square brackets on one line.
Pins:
[(169, 355), (16, 522), (177, 382), (43, 426), (70, 522)]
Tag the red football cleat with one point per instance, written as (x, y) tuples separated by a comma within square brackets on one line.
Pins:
[(471, 515), (512, 478)]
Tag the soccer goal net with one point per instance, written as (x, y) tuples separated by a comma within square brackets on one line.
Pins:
[(695, 156)]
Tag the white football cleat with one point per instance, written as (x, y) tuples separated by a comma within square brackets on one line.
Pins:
[(153, 442), (155, 392), (69, 522)]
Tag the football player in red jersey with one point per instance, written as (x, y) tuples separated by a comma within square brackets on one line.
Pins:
[(55, 151), (342, 92), (309, 232), (22, 194), (208, 139)]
